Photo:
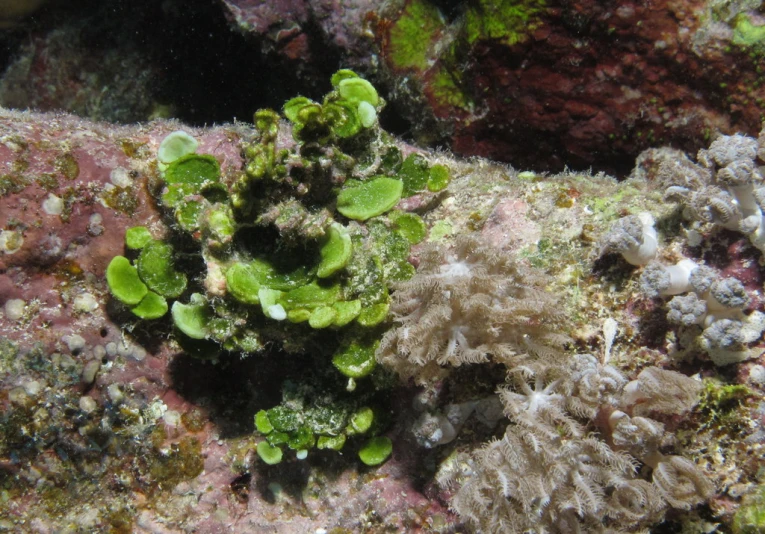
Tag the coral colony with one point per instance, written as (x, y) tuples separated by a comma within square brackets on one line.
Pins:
[(332, 241)]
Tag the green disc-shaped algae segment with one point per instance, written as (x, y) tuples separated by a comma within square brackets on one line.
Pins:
[(176, 145), (193, 169), (355, 359), (152, 306), (269, 454), (137, 237), (368, 199), (362, 420), (376, 451), (192, 318), (155, 266), (335, 252), (124, 282), (358, 90)]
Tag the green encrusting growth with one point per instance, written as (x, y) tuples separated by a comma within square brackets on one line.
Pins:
[(507, 21), (412, 37)]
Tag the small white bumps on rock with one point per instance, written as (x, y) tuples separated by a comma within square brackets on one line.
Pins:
[(53, 205), (74, 342), (120, 177), (88, 404), (85, 303), (10, 241), (14, 309)]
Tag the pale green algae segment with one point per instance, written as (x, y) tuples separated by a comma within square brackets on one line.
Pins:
[(364, 200)]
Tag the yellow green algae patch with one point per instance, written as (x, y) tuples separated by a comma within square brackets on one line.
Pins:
[(412, 35)]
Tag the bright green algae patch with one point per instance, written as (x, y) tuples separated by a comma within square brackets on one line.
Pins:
[(376, 451), (364, 200), (193, 318), (335, 252), (508, 21), (412, 36), (124, 282), (152, 306), (137, 237)]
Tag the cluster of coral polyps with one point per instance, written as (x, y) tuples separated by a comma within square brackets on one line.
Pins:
[(252, 404)]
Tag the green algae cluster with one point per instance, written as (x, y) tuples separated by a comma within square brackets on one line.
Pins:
[(298, 251), (306, 420), (145, 284)]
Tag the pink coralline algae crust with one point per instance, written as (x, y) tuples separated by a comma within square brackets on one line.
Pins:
[(70, 189)]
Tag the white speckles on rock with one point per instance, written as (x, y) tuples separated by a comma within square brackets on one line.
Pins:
[(88, 404), (14, 309), (111, 348), (74, 342), (99, 351), (90, 370), (95, 228), (121, 177), (155, 410), (53, 205), (138, 353), (33, 387), (757, 375), (115, 393), (172, 418), (85, 303), (10, 241)]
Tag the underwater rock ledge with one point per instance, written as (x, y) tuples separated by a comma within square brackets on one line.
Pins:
[(119, 427)]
